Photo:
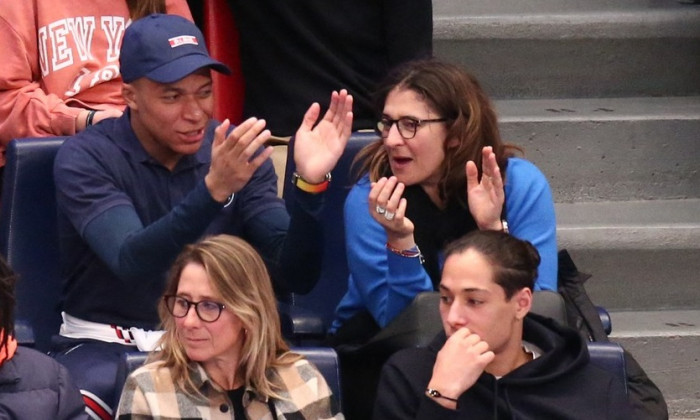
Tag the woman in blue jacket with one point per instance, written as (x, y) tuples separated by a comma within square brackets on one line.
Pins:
[(439, 171)]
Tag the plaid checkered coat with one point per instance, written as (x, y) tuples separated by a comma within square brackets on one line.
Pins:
[(150, 393)]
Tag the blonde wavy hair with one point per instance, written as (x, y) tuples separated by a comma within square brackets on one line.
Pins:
[(238, 275)]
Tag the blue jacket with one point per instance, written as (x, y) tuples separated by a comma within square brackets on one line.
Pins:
[(34, 386), (385, 283)]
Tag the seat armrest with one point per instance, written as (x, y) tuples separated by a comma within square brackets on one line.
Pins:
[(605, 319), (300, 323), (610, 357)]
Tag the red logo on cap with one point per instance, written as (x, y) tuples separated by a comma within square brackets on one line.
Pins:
[(182, 40)]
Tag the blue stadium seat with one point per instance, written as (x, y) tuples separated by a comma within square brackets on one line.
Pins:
[(310, 315), (325, 359), (29, 238), (609, 356)]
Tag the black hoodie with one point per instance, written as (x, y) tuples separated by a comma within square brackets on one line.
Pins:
[(560, 384)]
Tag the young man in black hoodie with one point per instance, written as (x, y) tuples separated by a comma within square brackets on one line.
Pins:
[(494, 360)]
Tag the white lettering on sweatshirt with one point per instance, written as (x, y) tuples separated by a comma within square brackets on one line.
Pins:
[(67, 42), (82, 30)]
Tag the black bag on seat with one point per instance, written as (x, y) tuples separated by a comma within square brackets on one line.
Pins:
[(582, 315)]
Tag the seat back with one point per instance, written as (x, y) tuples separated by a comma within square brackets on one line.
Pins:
[(29, 235), (324, 358), (415, 326), (549, 304), (332, 285)]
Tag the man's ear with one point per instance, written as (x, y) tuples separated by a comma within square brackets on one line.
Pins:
[(129, 95), (523, 302)]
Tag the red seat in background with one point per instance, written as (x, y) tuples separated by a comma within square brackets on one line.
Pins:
[(221, 36)]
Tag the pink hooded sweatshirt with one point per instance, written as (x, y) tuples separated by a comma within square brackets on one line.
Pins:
[(58, 58)]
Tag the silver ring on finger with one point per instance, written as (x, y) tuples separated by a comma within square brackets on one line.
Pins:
[(389, 215), (380, 209)]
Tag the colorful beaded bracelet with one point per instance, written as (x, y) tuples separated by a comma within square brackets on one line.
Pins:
[(408, 253)]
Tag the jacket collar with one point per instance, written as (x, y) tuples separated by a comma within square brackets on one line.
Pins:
[(204, 384)]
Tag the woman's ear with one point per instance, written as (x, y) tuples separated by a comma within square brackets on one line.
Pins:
[(452, 143)]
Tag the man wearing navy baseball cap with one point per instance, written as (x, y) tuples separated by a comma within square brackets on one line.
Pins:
[(132, 191)]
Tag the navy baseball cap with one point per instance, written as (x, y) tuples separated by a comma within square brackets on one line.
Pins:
[(165, 49)]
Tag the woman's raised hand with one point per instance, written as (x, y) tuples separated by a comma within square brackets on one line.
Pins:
[(486, 196), (318, 146)]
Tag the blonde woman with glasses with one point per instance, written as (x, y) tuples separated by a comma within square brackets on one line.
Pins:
[(223, 354)]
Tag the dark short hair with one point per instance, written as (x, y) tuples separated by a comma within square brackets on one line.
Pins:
[(514, 261), (7, 302)]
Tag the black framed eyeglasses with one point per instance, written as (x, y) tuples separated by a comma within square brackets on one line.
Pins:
[(407, 126), (207, 310)]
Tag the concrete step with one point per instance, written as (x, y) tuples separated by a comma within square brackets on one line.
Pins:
[(569, 48), (610, 149), (643, 255), (604, 96), (636, 225), (644, 258), (667, 345)]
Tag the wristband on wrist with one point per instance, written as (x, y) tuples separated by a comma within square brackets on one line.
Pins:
[(89, 118), (408, 253), (304, 185), (434, 393)]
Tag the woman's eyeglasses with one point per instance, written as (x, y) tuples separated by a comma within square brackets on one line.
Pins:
[(207, 310), (407, 126)]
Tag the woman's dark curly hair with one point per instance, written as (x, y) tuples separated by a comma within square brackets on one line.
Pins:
[(455, 94)]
